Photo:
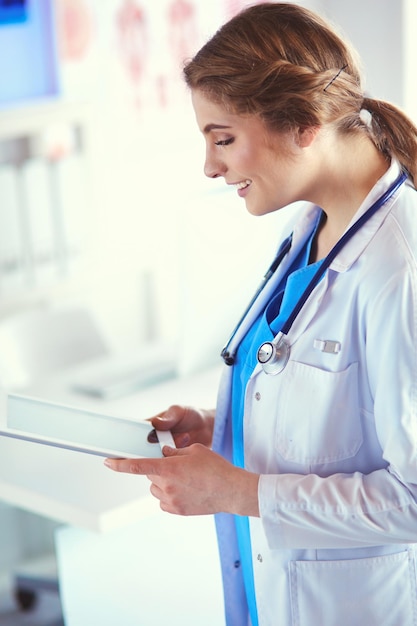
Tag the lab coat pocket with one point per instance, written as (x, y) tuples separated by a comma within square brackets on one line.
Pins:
[(318, 418), (377, 591)]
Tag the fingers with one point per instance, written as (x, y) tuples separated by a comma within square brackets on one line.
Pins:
[(187, 481), (169, 451), (169, 418), (164, 421), (181, 440), (174, 419), (153, 437), (143, 467)]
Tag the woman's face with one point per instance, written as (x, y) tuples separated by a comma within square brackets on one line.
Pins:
[(264, 167)]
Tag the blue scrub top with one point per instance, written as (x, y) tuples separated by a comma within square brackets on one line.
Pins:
[(265, 328)]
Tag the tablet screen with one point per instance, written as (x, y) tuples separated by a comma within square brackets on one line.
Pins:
[(49, 423)]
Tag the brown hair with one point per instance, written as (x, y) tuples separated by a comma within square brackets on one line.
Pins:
[(285, 64)]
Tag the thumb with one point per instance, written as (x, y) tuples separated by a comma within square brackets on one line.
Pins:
[(163, 422), (168, 451)]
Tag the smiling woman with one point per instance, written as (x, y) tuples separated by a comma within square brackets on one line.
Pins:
[(312, 470), (257, 161)]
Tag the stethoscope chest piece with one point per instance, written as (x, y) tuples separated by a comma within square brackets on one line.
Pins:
[(273, 356)]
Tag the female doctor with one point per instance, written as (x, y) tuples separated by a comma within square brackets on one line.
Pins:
[(310, 460)]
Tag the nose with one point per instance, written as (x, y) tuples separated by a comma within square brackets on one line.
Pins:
[(213, 166)]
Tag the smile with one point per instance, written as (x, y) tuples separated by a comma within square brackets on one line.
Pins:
[(243, 184)]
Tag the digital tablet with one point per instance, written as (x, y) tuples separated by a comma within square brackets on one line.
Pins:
[(63, 426)]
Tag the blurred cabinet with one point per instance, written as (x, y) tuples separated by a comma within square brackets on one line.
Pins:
[(44, 198)]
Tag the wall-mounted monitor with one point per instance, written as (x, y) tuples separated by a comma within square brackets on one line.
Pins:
[(28, 51), (13, 11)]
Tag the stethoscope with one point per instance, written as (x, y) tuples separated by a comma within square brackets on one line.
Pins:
[(274, 355)]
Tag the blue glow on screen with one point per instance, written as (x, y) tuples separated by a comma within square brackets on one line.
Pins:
[(13, 11), (28, 52)]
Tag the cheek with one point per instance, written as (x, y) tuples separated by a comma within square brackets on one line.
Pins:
[(248, 161)]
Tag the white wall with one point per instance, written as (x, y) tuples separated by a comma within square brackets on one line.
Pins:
[(409, 48), (376, 29)]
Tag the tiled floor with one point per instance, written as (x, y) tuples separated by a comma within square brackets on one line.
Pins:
[(46, 612)]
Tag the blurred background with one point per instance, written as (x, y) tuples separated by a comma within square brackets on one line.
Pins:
[(113, 245)]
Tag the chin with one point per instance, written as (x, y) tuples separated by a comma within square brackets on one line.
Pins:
[(253, 207)]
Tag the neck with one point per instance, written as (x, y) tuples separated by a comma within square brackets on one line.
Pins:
[(342, 186)]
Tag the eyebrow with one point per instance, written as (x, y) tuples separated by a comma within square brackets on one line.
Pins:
[(210, 127)]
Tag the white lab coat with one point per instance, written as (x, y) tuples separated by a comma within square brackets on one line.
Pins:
[(334, 437)]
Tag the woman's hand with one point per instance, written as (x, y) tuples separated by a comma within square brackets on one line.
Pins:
[(195, 481), (187, 424)]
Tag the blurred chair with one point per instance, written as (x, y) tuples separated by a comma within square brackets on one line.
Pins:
[(39, 342)]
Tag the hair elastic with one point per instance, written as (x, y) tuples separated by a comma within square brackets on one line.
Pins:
[(366, 117)]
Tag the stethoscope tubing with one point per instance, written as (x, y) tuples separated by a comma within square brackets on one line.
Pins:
[(337, 248), (281, 254), (283, 250)]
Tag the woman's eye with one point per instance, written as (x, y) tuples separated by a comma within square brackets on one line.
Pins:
[(224, 142)]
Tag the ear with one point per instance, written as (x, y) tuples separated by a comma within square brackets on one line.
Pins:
[(306, 136)]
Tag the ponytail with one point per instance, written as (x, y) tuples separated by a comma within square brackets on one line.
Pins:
[(393, 133)]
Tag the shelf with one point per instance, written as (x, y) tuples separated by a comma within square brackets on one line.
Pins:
[(29, 118)]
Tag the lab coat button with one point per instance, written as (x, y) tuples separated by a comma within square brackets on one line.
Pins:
[(257, 396), (236, 564), (259, 557)]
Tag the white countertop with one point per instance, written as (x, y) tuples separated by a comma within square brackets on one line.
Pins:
[(77, 488)]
